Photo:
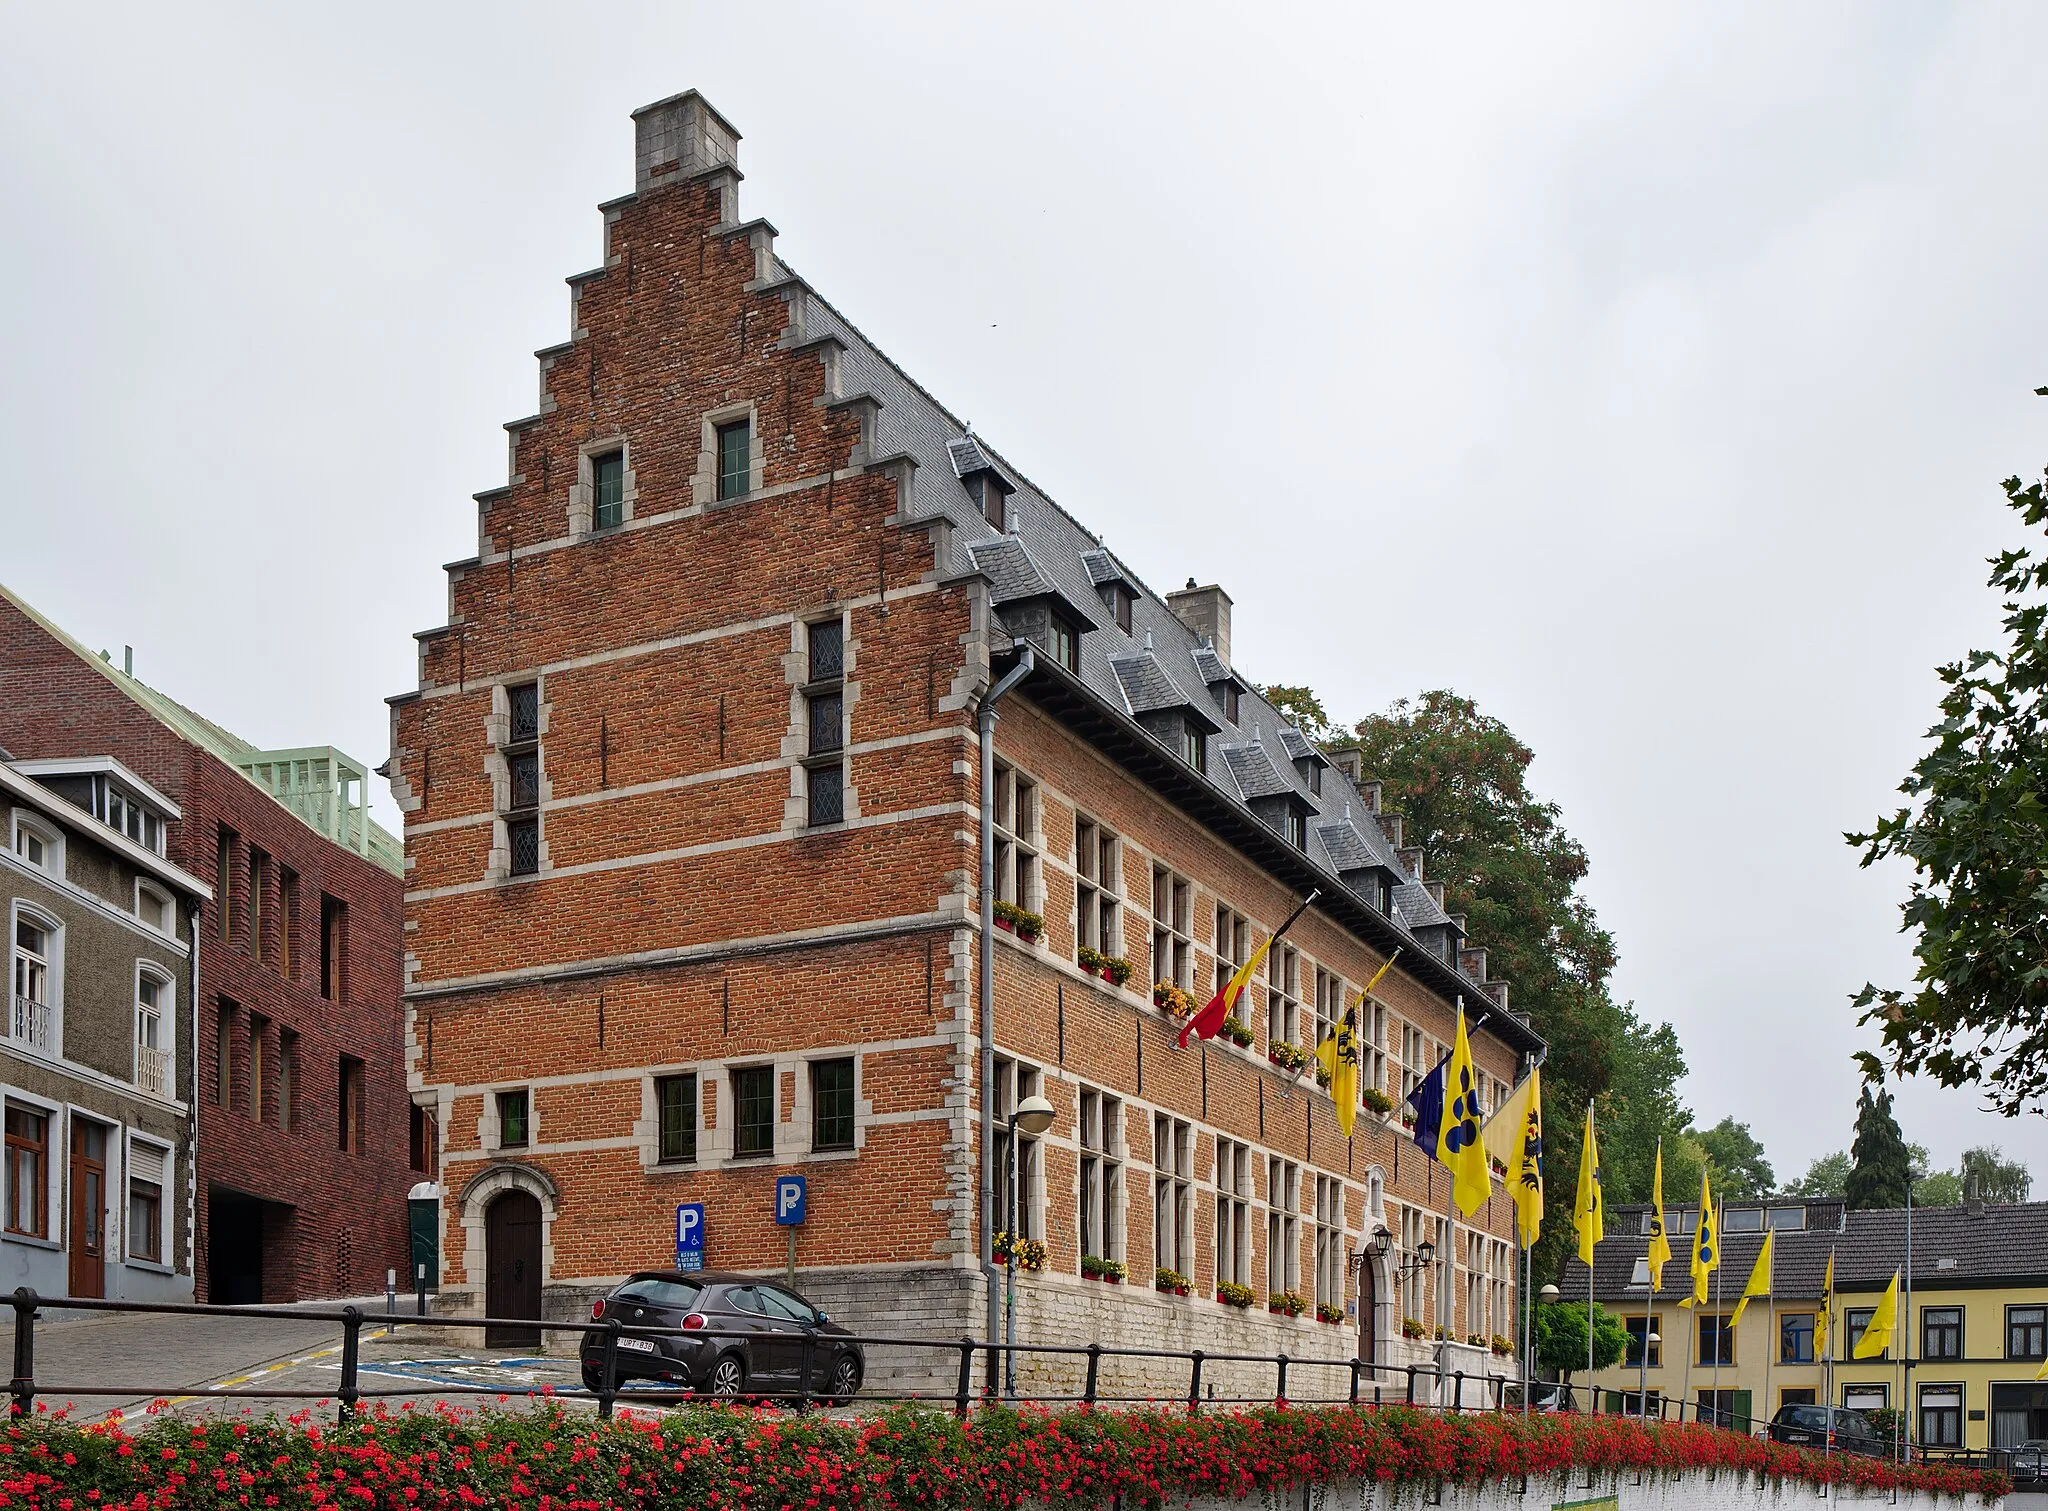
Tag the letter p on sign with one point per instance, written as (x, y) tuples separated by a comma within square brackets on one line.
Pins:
[(789, 1201)]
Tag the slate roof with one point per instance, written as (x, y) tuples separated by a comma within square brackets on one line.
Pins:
[(1104, 569), (1347, 848), (1114, 666), (1256, 775), (1986, 1244), (1010, 571), (1298, 747)]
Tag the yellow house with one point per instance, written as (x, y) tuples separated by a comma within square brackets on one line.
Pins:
[(1963, 1363)]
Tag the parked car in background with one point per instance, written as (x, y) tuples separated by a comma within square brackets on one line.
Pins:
[(1829, 1429), (736, 1336), (2026, 1462)]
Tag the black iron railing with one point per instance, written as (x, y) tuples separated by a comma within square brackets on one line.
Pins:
[(1330, 1381)]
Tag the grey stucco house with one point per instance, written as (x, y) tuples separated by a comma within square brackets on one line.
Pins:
[(96, 1062)]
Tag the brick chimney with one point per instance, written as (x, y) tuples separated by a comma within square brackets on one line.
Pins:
[(680, 135), (1206, 611)]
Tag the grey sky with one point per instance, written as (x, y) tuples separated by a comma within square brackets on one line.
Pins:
[(1646, 376)]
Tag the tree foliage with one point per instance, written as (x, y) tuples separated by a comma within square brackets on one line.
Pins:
[(1561, 1338), (1305, 711), (1975, 828), (1741, 1173), (1879, 1161), (1986, 1173), (1826, 1176)]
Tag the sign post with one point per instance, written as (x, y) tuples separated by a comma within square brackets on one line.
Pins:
[(789, 1213), (690, 1235)]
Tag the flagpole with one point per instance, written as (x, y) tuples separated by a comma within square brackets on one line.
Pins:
[(1771, 1335), (1720, 1322), (1685, 1388), (1592, 1400)]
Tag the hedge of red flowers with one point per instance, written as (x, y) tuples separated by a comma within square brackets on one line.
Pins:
[(552, 1459)]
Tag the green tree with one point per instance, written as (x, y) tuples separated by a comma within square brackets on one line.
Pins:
[(1459, 778), (1942, 1188), (1826, 1176), (1879, 1159), (1975, 828), (1305, 711), (1561, 1338), (1992, 1177), (1741, 1173), (1641, 1108)]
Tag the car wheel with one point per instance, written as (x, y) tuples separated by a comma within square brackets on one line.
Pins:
[(845, 1380), (728, 1377)]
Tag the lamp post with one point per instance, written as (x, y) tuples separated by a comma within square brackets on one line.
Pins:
[(1033, 1115), (1641, 1277), (1904, 1419), (1550, 1295)]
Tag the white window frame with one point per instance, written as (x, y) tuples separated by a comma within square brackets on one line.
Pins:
[(1015, 1080), (52, 837), (53, 926), (1173, 1159), (1330, 1245), (167, 1027), (1019, 840), (487, 1129), (1283, 995), (1098, 888), (163, 1207), (1099, 1138), (1173, 928), (1233, 1233), (1283, 1225), (167, 908), (52, 1114)]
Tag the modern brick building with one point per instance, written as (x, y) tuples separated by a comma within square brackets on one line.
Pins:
[(692, 790), (307, 1140)]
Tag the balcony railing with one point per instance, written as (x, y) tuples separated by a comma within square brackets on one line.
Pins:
[(30, 1024), (153, 1070)]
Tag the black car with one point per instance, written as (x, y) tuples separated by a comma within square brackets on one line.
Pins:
[(739, 1337), (2026, 1462), (1823, 1428)]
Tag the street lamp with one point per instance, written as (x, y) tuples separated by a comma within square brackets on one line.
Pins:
[(1033, 1115)]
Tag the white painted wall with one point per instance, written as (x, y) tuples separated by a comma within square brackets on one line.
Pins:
[(1689, 1492)]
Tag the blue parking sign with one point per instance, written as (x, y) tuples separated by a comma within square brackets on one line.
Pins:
[(789, 1201), (690, 1235)]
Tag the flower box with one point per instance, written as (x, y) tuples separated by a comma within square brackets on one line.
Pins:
[(1329, 1312), (1287, 1303), (1410, 1328), (1171, 1282), (1376, 1101), (1291, 1058), (1236, 1031), (1171, 1000), (1022, 922), (1110, 1271), (1232, 1294)]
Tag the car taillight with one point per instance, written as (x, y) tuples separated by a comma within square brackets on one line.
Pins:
[(694, 1321), (597, 1311), (1831, 1437)]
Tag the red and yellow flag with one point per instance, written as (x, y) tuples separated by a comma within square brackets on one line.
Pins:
[(1209, 1021)]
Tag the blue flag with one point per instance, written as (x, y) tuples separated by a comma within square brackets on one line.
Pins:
[(1428, 1101)]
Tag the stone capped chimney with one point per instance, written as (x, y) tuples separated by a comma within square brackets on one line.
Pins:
[(679, 136), (1206, 611)]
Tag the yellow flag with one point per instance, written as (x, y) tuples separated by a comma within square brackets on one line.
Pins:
[(1706, 1246), (1514, 1136), (2041, 1373), (1457, 1138), (1660, 1240), (1589, 1212), (1877, 1337), (1826, 1320), (1759, 1283), (1339, 1056)]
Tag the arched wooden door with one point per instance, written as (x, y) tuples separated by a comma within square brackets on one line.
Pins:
[(1368, 1309), (512, 1268)]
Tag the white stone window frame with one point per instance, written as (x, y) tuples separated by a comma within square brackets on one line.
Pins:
[(52, 837), (647, 1127), (54, 1133), (802, 1113), (165, 907), (488, 1130), (1283, 1224), (498, 772), (53, 958), (1100, 889), (163, 1206), (1111, 1159), (582, 510), (704, 481), (167, 1026)]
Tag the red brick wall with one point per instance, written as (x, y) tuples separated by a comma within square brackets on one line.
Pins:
[(52, 704), (664, 653)]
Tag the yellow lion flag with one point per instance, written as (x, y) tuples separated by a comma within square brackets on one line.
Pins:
[(1589, 1212), (1339, 1056), (1706, 1246), (1759, 1283), (1660, 1239), (1514, 1136), (1458, 1144), (1877, 1337)]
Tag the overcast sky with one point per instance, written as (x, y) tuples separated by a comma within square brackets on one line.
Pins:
[(1646, 377)]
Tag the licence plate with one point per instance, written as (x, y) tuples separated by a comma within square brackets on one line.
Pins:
[(638, 1345)]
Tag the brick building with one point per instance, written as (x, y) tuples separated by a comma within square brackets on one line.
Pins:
[(692, 792), (307, 1139)]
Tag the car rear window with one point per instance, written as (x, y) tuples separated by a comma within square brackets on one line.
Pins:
[(681, 1295), (1806, 1416)]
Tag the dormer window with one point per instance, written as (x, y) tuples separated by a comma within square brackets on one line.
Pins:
[(1315, 778), (991, 499), (1194, 748), (1064, 643), (124, 815), (1118, 600), (1294, 825), (1230, 704)]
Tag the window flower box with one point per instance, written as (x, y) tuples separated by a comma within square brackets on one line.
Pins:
[(1111, 1271), (1236, 1031), (1172, 1282), (1171, 1000), (1291, 1058), (1022, 922), (1502, 1347), (1028, 1254), (1287, 1303), (1377, 1102), (1327, 1312), (1231, 1294), (1410, 1328)]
